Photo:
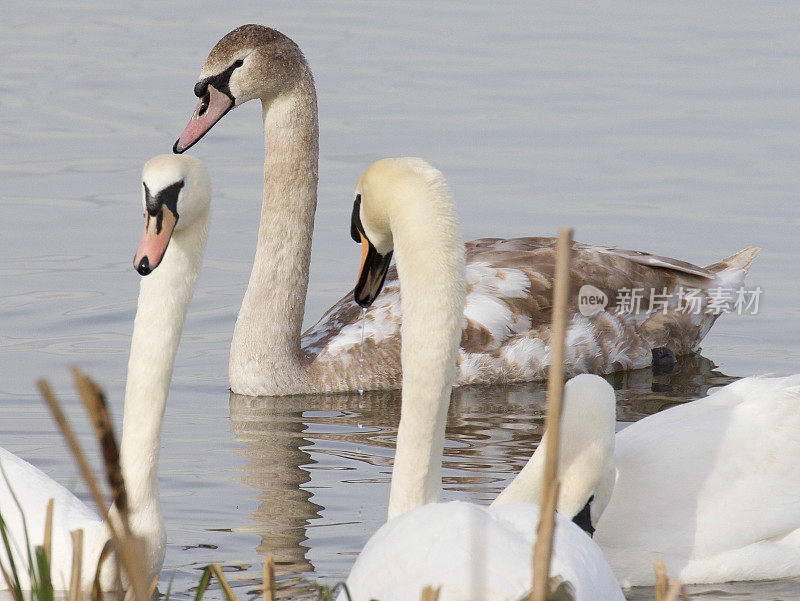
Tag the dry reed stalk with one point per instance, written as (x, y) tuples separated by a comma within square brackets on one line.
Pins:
[(131, 561), (131, 548), (675, 589), (430, 594), (660, 568), (153, 586), (216, 569), (97, 591), (77, 564), (72, 441), (555, 389), (94, 400), (47, 543), (269, 578)]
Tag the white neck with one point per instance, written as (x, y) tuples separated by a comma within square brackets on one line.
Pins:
[(527, 486), (163, 300), (430, 265), (585, 451), (266, 339)]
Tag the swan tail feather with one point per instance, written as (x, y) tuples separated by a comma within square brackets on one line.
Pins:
[(730, 272), (739, 261)]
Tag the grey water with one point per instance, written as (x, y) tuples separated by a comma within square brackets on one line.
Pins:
[(667, 127)]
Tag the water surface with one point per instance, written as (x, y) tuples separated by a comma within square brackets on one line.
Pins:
[(671, 128)]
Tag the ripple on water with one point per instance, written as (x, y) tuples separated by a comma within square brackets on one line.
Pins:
[(670, 131)]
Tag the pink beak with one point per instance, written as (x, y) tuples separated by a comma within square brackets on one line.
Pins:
[(210, 109), (155, 239)]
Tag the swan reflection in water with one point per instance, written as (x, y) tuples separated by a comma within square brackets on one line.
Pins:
[(321, 464)]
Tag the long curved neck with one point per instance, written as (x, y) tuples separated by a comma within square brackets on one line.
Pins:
[(430, 265), (164, 297), (526, 487), (266, 339), (585, 457)]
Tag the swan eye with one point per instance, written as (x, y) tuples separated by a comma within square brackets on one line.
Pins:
[(220, 81), (204, 104)]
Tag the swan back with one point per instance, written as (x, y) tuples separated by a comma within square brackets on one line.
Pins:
[(711, 486), (585, 454), (33, 488), (477, 553)]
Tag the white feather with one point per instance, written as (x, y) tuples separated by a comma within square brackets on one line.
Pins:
[(711, 486), (163, 300), (471, 552), (476, 553)]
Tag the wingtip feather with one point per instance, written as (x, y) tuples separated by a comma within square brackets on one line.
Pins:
[(740, 260)]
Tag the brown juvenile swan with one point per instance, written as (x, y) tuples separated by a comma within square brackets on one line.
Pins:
[(507, 314)]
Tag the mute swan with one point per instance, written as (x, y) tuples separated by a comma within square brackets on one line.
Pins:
[(176, 198), (507, 312), (471, 552), (711, 486)]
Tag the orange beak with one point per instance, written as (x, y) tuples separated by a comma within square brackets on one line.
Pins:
[(155, 239), (372, 273)]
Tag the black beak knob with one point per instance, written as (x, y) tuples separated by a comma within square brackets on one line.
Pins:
[(144, 266)]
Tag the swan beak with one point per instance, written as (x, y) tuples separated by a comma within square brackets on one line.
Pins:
[(155, 239), (212, 106), (373, 273)]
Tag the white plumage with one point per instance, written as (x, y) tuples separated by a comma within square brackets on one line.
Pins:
[(711, 486), (475, 553), (471, 552), (33, 488), (163, 300)]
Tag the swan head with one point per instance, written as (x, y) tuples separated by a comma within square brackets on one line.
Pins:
[(252, 61), (381, 193), (176, 190), (586, 449)]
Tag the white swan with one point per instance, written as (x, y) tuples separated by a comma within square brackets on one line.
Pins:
[(711, 486), (507, 312), (176, 195), (471, 552)]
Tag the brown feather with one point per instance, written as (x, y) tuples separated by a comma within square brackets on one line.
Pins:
[(608, 341)]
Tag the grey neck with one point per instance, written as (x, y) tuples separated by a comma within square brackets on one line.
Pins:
[(265, 350)]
